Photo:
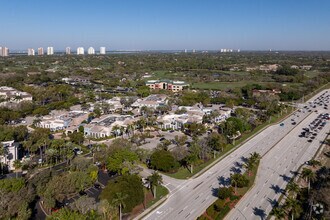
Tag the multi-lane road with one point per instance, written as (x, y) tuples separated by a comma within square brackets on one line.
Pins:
[(282, 151)]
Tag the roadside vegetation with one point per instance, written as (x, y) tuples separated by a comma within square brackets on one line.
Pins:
[(229, 195)]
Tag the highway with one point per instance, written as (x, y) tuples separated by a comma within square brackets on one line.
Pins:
[(283, 152)]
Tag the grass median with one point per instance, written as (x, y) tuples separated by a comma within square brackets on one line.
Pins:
[(221, 207)]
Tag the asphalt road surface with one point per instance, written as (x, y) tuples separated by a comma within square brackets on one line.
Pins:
[(283, 152)]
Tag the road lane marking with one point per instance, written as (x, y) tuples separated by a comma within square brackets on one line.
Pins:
[(198, 185)]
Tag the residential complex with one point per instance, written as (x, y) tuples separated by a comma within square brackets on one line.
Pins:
[(80, 51), (30, 52), (91, 51), (102, 50), (67, 50), (10, 96), (40, 51), (50, 50), (174, 86), (4, 52)]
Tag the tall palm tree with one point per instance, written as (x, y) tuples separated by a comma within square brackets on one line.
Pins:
[(191, 160), (255, 157), (155, 180), (115, 129), (309, 176), (122, 130), (3, 153), (314, 163), (278, 212), (293, 187), (293, 206), (119, 200)]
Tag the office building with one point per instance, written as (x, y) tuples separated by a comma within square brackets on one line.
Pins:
[(30, 52), (50, 50), (40, 51), (4, 51), (67, 50), (174, 86), (80, 51), (91, 51), (102, 50)]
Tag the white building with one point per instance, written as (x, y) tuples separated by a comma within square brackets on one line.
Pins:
[(4, 51), (50, 50), (40, 51), (9, 95), (30, 52), (102, 50), (80, 51), (91, 51), (152, 101), (11, 154), (68, 51)]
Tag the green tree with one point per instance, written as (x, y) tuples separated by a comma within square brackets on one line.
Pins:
[(155, 180), (217, 141), (130, 185), (119, 200), (293, 187), (278, 212), (309, 176), (225, 192), (116, 161), (293, 206), (163, 160)]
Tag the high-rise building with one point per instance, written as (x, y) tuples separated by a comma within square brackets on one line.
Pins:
[(102, 50), (50, 50), (68, 50), (30, 52), (40, 51), (4, 52), (185, 50), (80, 51), (91, 50)]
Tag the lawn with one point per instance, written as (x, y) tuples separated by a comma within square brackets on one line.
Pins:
[(161, 191), (225, 85)]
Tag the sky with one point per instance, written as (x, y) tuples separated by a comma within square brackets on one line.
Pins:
[(166, 24)]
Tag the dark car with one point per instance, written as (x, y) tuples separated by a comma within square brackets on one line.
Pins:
[(97, 186), (82, 193)]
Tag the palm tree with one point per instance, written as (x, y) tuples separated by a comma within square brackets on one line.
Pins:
[(255, 157), (191, 160), (115, 129), (309, 176), (293, 187), (249, 165), (233, 182), (119, 200), (293, 206), (122, 130), (278, 212), (155, 180), (314, 163), (3, 153)]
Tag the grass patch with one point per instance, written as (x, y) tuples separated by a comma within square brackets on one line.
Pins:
[(161, 192)]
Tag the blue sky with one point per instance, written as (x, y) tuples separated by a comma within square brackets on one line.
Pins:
[(166, 24)]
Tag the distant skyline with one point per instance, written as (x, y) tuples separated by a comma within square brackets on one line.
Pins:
[(166, 24)]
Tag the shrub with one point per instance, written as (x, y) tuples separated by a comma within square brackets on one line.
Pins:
[(224, 192)]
